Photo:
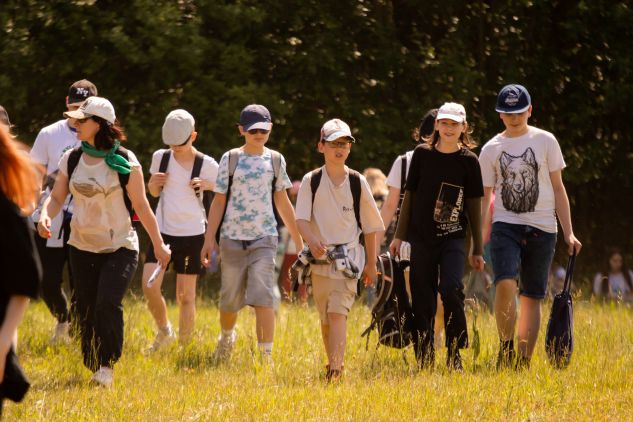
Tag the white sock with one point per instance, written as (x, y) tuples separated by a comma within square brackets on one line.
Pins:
[(227, 333), (166, 329), (265, 348)]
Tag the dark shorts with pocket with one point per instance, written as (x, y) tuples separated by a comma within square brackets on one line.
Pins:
[(185, 253)]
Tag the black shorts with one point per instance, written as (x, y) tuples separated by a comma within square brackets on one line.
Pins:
[(185, 253)]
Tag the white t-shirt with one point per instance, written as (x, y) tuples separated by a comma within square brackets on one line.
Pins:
[(617, 284), (101, 223), (249, 212), (51, 143), (519, 170), (332, 217), (393, 180), (180, 211)]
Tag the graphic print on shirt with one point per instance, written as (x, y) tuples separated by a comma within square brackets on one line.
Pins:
[(95, 210), (519, 188), (448, 206)]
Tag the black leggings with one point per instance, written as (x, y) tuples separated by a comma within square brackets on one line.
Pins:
[(101, 281), (53, 261)]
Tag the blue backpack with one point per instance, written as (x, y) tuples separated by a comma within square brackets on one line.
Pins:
[(559, 337)]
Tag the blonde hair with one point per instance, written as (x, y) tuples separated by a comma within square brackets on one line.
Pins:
[(18, 177), (377, 181)]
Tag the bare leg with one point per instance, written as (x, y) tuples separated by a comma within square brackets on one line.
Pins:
[(186, 296), (155, 301), (325, 334), (336, 340), (439, 321), (265, 324), (529, 323), (505, 308), (228, 320)]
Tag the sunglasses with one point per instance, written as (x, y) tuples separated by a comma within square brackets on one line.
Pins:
[(260, 131), (339, 145), (84, 120)]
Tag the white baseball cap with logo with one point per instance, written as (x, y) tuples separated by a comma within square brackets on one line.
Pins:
[(335, 129), (452, 111), (178, 126), (93, 106)]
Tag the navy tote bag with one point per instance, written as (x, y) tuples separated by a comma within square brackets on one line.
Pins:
[(559, 337)]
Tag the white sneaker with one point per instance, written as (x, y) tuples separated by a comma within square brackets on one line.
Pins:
[(61, 334), (224, 347), (103, 377), (162, 339)]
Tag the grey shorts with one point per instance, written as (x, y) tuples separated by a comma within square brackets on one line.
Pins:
[(248, 273)]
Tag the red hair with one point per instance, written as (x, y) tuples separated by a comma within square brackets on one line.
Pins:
[(18, 177)]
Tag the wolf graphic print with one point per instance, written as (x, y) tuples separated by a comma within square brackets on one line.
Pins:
[(519, 188)]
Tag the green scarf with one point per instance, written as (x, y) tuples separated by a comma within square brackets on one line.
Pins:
[(112, 159)]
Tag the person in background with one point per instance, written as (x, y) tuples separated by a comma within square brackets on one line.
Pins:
[(290, 251), (51, 143), (616, 280), (378, 185), (18, 255)]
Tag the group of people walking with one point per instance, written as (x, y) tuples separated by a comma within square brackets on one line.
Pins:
[(94, 186)]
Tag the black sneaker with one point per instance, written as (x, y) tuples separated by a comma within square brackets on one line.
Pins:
[(505, 358), (454, 361)]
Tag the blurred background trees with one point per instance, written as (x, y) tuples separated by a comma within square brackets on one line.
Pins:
[(377, 64)]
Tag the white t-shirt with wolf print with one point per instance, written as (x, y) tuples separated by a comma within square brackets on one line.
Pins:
[(519, 170), (249, 211)]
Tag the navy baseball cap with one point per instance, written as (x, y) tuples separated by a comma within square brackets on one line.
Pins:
[(80, 90), (513, 98), (255, 116)]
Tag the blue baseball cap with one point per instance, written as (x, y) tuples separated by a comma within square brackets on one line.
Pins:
[(255, 116), (513, 98)]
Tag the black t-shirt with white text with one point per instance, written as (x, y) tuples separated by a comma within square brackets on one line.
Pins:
[(441, 183)]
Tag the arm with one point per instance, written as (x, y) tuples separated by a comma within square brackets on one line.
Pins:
[(156, 183), (563, 212), (216, 212), (136, 193), (317, 248), (388, 210), (370, 264), (473, 208), (15, 311), (53, 205), (287, 213), (403, 224)]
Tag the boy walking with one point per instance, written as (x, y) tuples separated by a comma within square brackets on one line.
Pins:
[(180, 174), (523, 164), (331, 219), (250, 179)]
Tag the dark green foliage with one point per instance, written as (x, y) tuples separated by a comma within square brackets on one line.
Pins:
[(377, 64)]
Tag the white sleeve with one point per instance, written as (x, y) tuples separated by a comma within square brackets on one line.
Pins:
[(370, 218), (555, 160), (487, 165), (209, 169), (39, 152), (393, 180), (303, 209), (156, 157), (131, 157), (283, 181)]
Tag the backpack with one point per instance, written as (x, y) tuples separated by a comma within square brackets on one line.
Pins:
[(391, 315), (207, 196), (354, 183), (559, 337), (73, 160), (234, 157)]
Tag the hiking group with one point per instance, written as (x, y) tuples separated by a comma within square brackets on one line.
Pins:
[(440, 193)]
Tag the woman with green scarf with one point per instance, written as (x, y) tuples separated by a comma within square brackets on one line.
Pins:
[(103, 243)]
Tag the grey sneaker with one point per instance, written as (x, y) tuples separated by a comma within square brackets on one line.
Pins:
[(162, 340), (61, 334), (103, 377), (224, 347)]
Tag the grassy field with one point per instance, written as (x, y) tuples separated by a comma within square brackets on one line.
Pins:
[(183, 384)]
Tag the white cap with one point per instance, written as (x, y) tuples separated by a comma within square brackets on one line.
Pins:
[(178, 127), (452, 111), (334, 129), (94, 106)]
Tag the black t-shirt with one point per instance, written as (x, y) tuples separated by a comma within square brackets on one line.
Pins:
[(441, 183), (19, 261)]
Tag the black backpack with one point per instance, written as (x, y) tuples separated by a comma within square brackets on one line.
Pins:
[(234, 157), (207, 196), (559, 337), (391, 315), (73, 160)]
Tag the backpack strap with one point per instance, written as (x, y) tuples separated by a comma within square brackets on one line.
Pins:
[(73, 160), (164, 161), (234, 158), (354, 183), (276, 159), (403, 184), (124, 179), (197, 168), (315, 181)]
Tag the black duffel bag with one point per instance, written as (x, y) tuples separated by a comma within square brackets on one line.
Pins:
[(559, 337)]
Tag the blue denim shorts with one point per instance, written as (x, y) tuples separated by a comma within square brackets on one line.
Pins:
[(523, 253)]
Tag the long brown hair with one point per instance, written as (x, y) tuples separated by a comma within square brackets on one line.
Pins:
[(607, 271), (465, 139), (18, 178), (108, 133)]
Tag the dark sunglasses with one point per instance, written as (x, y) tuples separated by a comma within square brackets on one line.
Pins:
[(260, 131), (84, 120)]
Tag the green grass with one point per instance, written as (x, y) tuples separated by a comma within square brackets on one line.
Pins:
[(377, 384)]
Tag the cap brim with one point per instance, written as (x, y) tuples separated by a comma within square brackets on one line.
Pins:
[(450, 117), (76, 114), (340, 134), (259, 125), (513, 111)]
